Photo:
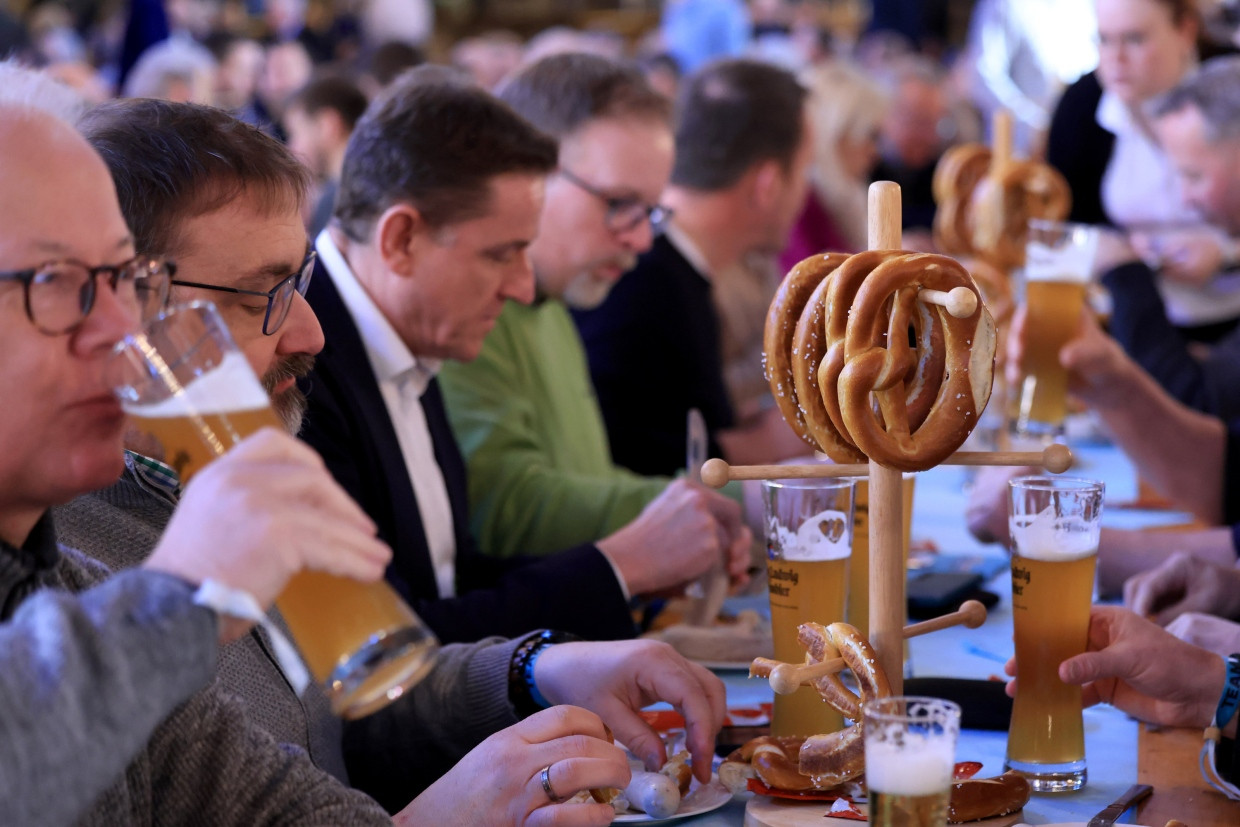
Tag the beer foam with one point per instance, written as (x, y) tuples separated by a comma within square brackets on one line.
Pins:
[(918, 766), (228, 387), (1047, 537), (824, 536)]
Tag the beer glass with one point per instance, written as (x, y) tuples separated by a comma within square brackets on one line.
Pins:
[(910, 754), (859, 563), (1055, 524), (191, 392), (1059, 262), (808, 542)]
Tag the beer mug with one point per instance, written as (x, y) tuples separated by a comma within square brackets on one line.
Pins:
[(1055, 524), (910, 754), (191, 392), (1059, 263), (808, 542)]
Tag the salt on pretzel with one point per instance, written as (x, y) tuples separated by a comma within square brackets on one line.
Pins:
[(780, 352), (836, 757), (873, 400), (1004, 202)]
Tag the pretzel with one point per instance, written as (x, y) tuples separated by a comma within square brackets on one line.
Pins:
[(769, 758), (780, 353), (837, 757), (1001, 206), (874, 376), (955, 178)]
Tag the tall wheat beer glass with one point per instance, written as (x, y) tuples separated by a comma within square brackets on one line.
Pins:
[(184, 383), (1055, 524), (808, 542), (1059, 260), (910, 752)]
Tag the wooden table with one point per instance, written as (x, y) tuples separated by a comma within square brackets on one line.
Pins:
[(1168, 762)]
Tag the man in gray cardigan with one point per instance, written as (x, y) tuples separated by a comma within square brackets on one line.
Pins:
[(227, 207), (99, 719)]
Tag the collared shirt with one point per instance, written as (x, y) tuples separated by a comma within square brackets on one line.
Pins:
[(159, 477), (403, 378)]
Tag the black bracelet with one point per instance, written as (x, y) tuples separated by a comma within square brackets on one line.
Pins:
[(523, 693)]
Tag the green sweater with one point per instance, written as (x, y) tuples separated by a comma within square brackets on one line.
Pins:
[(541, 477)]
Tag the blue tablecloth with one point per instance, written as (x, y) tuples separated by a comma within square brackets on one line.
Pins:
[(1110, 736)]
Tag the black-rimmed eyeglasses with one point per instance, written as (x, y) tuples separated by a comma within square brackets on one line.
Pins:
[(624, 213), (59, 294), (279, 298)]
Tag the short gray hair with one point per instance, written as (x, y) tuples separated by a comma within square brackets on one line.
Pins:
[(26, 90), (1214, 90)]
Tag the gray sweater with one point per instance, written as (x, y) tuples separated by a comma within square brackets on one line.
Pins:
[(85, 682), (393, 754)]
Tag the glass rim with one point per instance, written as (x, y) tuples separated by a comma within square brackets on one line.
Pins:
[(1038, 482), (873, 708), (810, 483)]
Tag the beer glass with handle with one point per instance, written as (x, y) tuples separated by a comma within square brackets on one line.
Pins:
[(910, 753), (1059, 262), (186, 386), (808, 543), (1055, 525)]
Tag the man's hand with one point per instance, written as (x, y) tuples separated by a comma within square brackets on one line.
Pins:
[(1135, 666), (1192, 255), (261, 513), (499, 782), (681, 535), (1181, 584), (1214, 634), (615, 680)]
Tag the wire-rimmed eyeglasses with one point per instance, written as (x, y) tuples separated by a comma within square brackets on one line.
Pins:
[(279, 298), (624, 213)]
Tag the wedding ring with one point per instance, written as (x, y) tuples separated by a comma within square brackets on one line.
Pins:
[(545, 778)]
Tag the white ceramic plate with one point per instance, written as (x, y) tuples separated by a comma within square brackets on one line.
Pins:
[(701, 799)]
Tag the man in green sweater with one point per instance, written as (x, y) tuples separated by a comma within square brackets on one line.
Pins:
[(541, 477)]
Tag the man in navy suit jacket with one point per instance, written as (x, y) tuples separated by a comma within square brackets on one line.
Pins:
[(440, 196)]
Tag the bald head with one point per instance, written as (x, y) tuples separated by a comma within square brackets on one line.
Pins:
[(56, 196)]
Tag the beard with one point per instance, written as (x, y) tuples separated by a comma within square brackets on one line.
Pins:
[(587, 291), (290, 405)]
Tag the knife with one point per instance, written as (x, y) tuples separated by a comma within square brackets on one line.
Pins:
[(1119, 806)]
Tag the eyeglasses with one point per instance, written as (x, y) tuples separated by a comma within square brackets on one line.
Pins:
[(279, 298), (623, 214), (60, 294)]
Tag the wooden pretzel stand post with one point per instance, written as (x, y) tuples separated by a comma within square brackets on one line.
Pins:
[(887, 569)]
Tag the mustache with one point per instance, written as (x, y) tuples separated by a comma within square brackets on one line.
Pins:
[(290, 367)]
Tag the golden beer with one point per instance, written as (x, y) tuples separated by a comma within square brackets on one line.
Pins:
[(1054, 313), (801, 592), (910, 752), (359, 640), (1050, 612), (903, 810), (1055, 524)]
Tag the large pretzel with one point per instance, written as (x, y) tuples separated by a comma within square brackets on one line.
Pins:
[(1001, 206), (782, 355), (873, 400), (958, 173)]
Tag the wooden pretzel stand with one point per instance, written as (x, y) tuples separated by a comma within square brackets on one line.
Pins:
[(887, 569)]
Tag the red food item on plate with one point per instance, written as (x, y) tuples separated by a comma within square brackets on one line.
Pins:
[(758, 787), (843, 808), (966, 769)]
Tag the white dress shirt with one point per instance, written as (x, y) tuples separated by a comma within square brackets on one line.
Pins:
[(403, 378)]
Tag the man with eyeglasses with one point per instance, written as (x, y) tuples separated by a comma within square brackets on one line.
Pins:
[(540, 470), (743, 147), (103, 710), (171, 163)]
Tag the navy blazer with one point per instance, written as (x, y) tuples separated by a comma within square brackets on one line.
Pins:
[(347, 422)]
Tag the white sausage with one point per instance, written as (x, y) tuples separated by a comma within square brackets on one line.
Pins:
[(653, 793)]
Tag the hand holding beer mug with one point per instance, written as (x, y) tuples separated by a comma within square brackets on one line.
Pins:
[(910, 754), (185, 384), (1055, 525), (808, 541), (1058, 267)]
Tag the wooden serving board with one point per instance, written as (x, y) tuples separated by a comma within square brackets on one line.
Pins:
[(764, 811)]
